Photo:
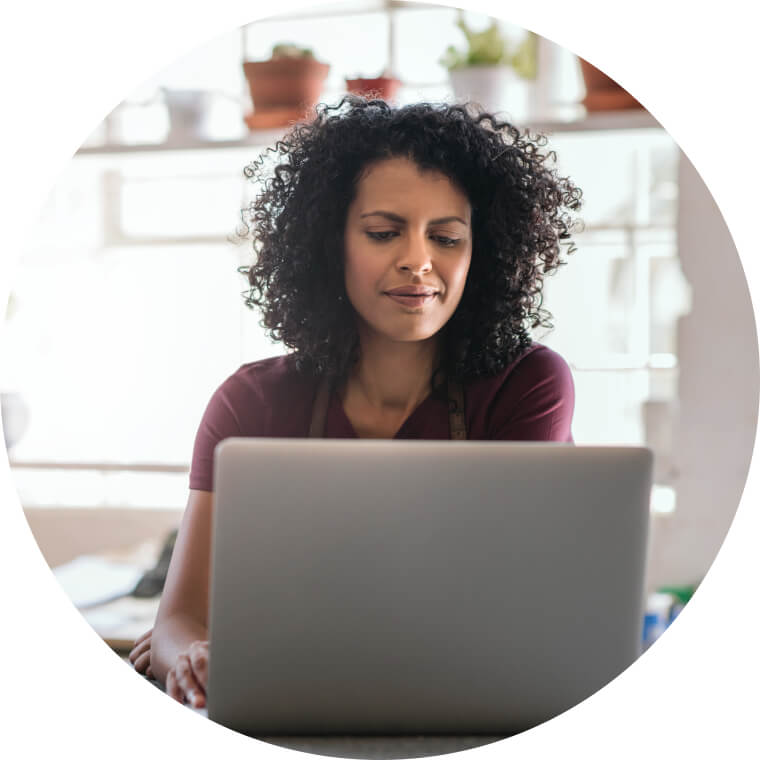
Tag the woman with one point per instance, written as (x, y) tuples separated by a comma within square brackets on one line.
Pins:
[(400, 255)]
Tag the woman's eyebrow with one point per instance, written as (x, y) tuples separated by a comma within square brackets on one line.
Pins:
[(396, 218)]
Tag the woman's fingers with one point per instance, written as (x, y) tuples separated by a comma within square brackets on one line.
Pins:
[(172, 688), (139, 652), (199, 662), (142, 663), (142, 645), (146, 637), (187, 683)]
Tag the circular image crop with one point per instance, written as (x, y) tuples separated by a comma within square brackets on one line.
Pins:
[(462, 304)]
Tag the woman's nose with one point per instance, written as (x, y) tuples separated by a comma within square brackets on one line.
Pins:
[(415, 257)]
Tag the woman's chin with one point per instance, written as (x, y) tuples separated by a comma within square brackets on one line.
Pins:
[(419, 335), (418, 329)]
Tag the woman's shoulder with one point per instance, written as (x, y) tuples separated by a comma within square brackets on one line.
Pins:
[(531, 398), (263, 395), (267, 375), (536, 364), (539, 362), (262, 398)]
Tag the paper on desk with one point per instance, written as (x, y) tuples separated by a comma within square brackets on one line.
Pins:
[(94, 580), (122, 621)]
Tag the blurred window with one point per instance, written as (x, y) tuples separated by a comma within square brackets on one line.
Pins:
[(128, 308)]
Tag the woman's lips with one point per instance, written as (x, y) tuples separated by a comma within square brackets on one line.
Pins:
[(414, 301)]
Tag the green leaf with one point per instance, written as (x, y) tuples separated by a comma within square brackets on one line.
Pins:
[(525, 59), (483, 48)]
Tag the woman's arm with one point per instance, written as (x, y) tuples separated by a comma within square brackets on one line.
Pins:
[(179, 642)]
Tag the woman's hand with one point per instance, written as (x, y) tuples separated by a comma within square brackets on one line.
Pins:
[(140, 654), (186, 680)]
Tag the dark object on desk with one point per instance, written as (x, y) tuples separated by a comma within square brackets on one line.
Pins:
[(152, 583)]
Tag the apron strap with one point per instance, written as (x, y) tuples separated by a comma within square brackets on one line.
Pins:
[(457, 429), (319, 410)]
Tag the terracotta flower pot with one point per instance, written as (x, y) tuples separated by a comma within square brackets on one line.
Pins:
[(289, 86), (602, 92), (384, 88)]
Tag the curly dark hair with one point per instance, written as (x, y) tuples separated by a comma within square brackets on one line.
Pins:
[(520, 219)]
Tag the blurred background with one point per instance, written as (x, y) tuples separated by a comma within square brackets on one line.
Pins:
[(125, 312)]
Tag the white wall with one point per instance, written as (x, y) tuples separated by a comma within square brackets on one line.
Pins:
[(718, 391)]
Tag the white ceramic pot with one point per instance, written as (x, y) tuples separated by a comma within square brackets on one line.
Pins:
[(496, 88), (188, 113)]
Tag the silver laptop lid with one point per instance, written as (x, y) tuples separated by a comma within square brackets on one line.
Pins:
[(413, 587)]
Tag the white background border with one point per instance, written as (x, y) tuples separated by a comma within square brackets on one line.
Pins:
[(66, 65)]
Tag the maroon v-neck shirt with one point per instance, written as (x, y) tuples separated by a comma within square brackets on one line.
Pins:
[(530, 400)]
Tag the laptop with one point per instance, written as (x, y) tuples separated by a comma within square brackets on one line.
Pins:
[(380, 587)]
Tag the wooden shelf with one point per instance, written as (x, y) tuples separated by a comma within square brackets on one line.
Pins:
[(258, 140), (600, 121)]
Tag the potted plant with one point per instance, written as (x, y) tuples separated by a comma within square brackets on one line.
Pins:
[(383, 86), (602, 92), (484, 71), (284, 88)]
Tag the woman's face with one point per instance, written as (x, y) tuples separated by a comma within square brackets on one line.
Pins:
[(408, 244)]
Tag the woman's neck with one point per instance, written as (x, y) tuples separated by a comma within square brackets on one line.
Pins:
[(393, 377)]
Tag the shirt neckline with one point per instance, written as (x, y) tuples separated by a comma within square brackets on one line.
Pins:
[(346, 429)]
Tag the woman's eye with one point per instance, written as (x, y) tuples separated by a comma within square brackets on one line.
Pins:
[(382, 235), (445, 241)]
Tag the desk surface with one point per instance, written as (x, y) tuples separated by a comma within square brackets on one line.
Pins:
[(121, 622)]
